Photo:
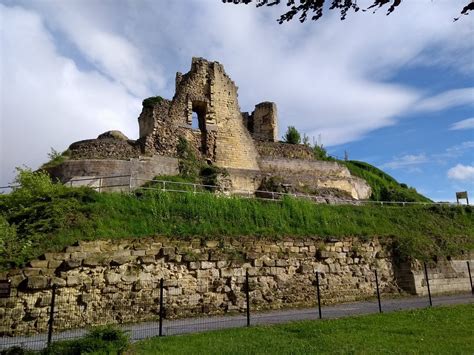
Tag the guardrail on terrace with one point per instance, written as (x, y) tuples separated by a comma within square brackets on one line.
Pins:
[(128, 183)]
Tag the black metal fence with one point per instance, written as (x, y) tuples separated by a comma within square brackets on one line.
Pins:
[(60, 313)]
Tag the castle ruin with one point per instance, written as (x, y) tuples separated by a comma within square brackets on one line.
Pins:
[(205, 112)]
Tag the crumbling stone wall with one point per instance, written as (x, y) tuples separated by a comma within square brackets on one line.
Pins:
[(221, 138), (263, 122), (117, 281), (283, 150), (315, 174), (108, 148)]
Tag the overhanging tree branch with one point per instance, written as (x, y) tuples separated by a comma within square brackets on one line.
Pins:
[(314, 8)]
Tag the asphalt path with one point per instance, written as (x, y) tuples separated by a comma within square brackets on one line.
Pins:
[(202, 324)]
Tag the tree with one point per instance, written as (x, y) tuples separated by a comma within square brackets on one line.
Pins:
[(292, 136), (315, 7)]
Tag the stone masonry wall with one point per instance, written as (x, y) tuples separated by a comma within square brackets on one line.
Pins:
[(104, 149), (263, 122), (283, 150), (117, 281), (444, 276), (143, 168), (316, 174)]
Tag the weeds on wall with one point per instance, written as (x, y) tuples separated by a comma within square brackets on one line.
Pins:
[(56, 158), (150, 102)]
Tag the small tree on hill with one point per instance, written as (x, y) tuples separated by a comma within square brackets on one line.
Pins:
[(292, 136)]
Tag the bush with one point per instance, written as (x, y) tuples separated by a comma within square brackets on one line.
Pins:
[(189, 165), (100, 340), (320, 153), (34, 211), (292, 136), (152, 101), (56, 158)]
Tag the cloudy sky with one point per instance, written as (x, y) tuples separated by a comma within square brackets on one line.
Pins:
[(396, 91)]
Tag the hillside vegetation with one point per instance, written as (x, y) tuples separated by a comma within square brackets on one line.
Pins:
[(42, 216), (384, 187)]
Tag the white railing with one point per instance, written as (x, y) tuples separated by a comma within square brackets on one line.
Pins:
[(99, 183)]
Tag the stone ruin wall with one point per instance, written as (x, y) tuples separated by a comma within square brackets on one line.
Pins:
[(199, 275), (221, 138), (263, 122), (244, 144), (117, 281)]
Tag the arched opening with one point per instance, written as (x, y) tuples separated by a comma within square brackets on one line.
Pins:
[(198, 121), (194, 120), (199, 116)]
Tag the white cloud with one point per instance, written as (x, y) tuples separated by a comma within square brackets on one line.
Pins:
[(468, 123), (405, 161), (462, 172), (113, 54), (92, 63), (448, 99), (46, 100)]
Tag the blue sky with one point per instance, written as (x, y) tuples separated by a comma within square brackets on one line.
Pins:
[(396, 91)]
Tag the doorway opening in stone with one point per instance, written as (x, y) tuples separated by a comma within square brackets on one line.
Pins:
[(195, 121), (199, 122)]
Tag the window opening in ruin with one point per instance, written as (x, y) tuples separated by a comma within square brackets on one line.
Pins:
[(199, 122), (195, 121), (199, 115)]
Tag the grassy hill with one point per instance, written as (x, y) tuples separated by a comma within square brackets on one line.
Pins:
[(384, 187), (42, 216)]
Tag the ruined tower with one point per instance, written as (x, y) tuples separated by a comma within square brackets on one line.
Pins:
[(209, 97)]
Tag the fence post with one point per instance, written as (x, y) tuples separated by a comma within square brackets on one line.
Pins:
[(130, 184), (470, 278), (378, 292), (161, 309), (247, 296), (319, 296), (164, 185), (51, 315), (427, 283)]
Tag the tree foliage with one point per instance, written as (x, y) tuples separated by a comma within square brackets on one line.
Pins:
[(313, 9), (292, 136)]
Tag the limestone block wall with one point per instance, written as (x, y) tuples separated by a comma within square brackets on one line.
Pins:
[(444, 276), (263, 122), (280, 150), (117, 281), (319, 174), (143, 168), (104, 149), (234, 145)]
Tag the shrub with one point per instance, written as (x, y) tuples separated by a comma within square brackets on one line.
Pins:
[(56, 158), (320, 153), (152, 101), (292, 136), (100, 340)]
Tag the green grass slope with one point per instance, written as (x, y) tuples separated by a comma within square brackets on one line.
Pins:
[(384, 187), (42, 216)]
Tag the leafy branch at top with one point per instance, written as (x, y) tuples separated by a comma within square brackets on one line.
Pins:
[(314, 8)]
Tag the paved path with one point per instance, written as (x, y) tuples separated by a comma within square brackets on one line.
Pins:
[(194, 325)]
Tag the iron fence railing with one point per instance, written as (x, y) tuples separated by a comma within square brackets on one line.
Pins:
[(166, 307), (128, 183)]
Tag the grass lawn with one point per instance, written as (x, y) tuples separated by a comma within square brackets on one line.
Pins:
[(439, 330)]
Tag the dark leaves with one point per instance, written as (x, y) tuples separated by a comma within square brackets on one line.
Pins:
[(314, 8)]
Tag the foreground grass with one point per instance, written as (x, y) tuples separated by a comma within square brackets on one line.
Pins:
[(34, 224), (440, 330)]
